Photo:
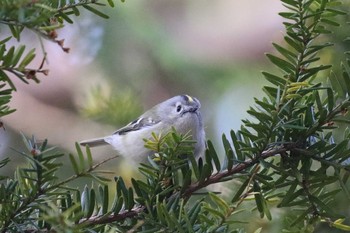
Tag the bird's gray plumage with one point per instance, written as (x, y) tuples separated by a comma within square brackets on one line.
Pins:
[(180, 112)]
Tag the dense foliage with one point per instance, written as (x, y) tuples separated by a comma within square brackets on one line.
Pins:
[(288, 153)]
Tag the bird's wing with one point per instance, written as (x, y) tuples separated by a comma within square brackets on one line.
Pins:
[(137, 124)]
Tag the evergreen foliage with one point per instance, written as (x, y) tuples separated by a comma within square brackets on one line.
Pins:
[(42, 17), (288, 153)]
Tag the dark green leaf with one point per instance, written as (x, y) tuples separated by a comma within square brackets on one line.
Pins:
[(17, 55), (291, 2), (239, 192), (262, 117), (344, 187), (291, 195), (300, 218), (336, 11), (65, 17), (7, 60), (295, 44), (15, 30), (330, 99), (313, 71), (105, 198), (194, 166), (89, 156), (223, 206), (27, 59), (74, 164), (307, 62), (4, 41), (346, 78), (194, 211), (282, 64), (315, 48), (205, 173), (286, 53), (76, 11), (276, 80), (319, 103), (329, 211), (186, 180), (7, 79), (118, 204), (321, 29), (111, 3), (81, 156), (338, 148), (288, 15), (121, 187), (230, 158), (259, 200), (271, 92), (265, 105), (92, 202), (330, 22), (237, 146), (214, 155), (137, 188), (131, 201), (95, 11)]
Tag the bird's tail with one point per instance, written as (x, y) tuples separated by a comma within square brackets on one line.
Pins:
[(94, 142)]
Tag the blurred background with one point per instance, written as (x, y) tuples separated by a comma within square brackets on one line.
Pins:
[(146, 52)]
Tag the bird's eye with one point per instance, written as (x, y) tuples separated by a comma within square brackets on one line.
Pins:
[(178, 108)]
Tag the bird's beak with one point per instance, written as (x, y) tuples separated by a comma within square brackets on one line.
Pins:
[(192, 109)]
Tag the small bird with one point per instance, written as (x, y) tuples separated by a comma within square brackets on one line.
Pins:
[(181, 112)]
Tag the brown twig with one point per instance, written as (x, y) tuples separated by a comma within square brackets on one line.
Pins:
[(75, 176), (113, 217), (216, 178)]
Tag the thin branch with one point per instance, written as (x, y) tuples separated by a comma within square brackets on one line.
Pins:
[(81, 3), (83, 173), (94, 220), (337, 110), (216, 178), (26, 202)]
